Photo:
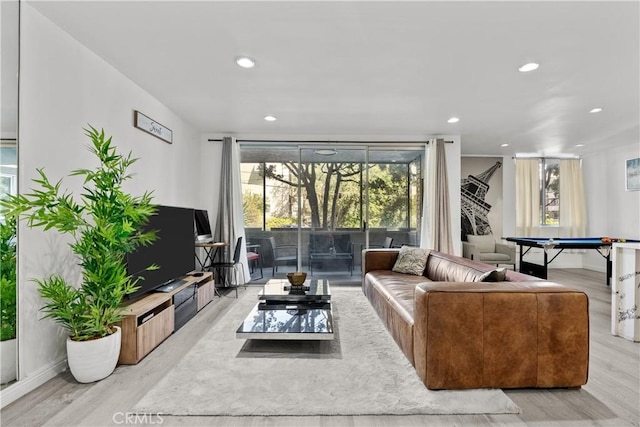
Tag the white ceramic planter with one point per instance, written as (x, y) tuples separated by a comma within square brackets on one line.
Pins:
[(8, 355), (93, 360)]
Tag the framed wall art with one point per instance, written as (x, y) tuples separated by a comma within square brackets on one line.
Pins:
[(152, 127), (632, 174)]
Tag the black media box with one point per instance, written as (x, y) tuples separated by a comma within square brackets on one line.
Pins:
[(185, 304)]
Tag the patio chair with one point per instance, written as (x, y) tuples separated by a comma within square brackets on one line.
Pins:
[(282, 255), (327, 249)]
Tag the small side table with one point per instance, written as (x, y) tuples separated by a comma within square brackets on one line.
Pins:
[(211, 251)]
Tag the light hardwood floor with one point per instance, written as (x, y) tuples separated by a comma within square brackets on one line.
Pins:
[(610, 398)]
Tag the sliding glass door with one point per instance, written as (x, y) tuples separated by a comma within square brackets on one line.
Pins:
[(395, 195), (328, 202), (332, 200)]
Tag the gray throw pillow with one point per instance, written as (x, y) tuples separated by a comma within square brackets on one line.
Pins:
[(411, 261), (497, 275)]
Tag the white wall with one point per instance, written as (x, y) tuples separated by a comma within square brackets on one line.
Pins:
[(63, 87), (211, 164), (612, 211)]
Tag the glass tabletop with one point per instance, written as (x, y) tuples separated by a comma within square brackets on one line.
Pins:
[(286, 312), (281, 290), (287, 324)]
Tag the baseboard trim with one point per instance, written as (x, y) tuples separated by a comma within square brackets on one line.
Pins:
[(24, 386)]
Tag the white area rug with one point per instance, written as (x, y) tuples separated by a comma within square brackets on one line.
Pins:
[(361, 372)]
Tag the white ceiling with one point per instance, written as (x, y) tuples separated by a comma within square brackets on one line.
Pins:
[(394, 70)]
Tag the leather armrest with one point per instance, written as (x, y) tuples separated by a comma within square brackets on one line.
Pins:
[(378, 259), (543, 325)]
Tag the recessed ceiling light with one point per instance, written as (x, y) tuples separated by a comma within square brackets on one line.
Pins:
[(579, 145), (270, 118), (596, 110), (453, 120), (528, 67), (245, 62), (504, 145)]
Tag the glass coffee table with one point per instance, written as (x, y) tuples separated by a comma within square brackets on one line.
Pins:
[(286, 312)]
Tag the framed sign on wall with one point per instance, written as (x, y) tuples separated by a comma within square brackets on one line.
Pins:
[(152, 127)]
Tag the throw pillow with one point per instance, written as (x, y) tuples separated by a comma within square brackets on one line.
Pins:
[(411, 260), (497, 275)]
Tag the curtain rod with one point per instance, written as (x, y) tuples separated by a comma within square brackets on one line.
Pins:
[(253, 141)]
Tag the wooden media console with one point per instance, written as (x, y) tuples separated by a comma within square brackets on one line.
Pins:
[(149, 320)]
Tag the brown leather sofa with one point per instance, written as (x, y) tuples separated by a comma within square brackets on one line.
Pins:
[(459, 333)]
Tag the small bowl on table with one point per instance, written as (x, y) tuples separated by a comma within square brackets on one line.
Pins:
[(297, 278)]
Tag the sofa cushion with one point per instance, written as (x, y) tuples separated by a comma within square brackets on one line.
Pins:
[(490, 256), (411, 261), (392, 295), (443, 267), (497, 275), (485, 243)]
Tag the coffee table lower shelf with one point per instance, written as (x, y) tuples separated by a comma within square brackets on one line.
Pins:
[(288, 322)]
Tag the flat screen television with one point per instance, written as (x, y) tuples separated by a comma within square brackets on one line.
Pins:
[(203, 228), (173, 251)]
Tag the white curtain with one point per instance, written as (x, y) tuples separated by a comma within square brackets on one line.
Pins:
[(573, 210), (436, 218), (527, 197), (230, 224)]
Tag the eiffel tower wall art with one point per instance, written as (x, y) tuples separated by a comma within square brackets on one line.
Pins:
[(481, 196)]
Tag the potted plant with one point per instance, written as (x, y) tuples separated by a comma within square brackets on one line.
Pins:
[(8, 299), (104, 225)]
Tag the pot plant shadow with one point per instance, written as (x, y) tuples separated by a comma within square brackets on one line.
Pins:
[(104, 224)]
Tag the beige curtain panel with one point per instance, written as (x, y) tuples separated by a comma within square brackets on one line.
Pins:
[(437, 213), (527, 197), (573, 207), (230, 220)]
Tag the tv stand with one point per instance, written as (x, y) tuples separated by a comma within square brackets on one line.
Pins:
[(152, 318), (171, 286)]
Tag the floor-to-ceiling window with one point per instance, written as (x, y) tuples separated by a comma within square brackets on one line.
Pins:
[(395, 195), (330, 201)]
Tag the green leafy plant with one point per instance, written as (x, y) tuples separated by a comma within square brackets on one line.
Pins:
[(8, 279), (104, 224)]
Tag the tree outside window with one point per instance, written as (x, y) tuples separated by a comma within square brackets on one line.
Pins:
[(550, 191), (332, 194)]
